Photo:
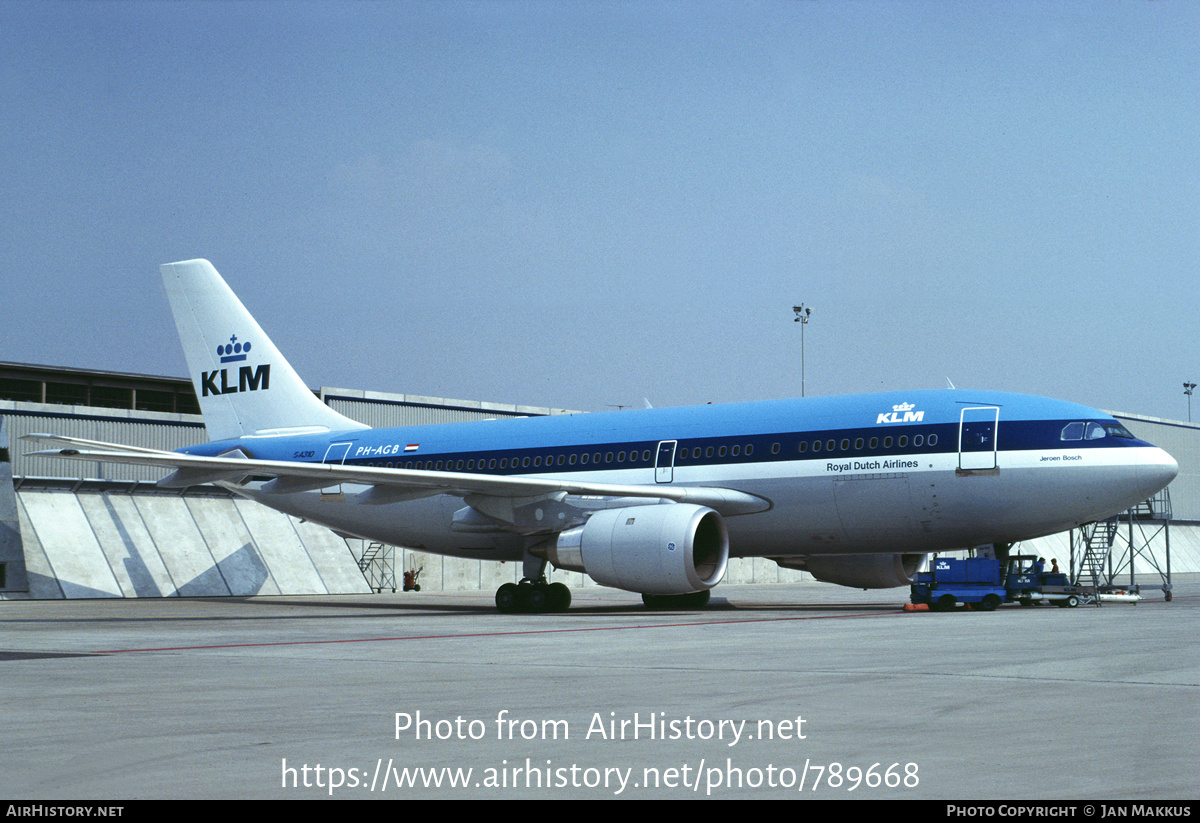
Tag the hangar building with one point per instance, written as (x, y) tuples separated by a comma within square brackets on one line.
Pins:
[(76, 530)]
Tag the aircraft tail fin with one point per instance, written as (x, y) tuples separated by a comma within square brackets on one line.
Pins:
[(245, 386)]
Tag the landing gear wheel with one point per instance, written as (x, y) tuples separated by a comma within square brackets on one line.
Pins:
[(560, 597), (508, 598), (538, 598), (532, 597)]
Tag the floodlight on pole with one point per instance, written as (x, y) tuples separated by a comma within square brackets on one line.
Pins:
[(802, 315), (1187, 389)]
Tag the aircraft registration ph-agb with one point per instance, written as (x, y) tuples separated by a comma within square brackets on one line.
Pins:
[(854, 489)]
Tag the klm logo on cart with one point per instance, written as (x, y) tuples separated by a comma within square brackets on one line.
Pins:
[(248, 378), (901, 414)]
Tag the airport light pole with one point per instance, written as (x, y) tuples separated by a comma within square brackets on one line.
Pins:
[(1187, 389), (802, 315)]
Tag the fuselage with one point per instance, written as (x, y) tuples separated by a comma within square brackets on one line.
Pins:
[(878, 473)]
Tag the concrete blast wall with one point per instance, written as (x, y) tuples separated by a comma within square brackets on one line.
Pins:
[(104, 544)]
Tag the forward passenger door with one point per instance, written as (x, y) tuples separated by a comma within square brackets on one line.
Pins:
[(977, 433)]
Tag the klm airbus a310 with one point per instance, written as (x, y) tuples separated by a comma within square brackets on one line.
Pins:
[(854, 489)]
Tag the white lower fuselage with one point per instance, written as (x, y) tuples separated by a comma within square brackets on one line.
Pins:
[(837, 506)]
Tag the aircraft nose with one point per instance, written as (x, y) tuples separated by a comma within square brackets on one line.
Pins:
[(1157, 470)]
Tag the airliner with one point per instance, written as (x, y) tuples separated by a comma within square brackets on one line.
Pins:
[(854, 489)]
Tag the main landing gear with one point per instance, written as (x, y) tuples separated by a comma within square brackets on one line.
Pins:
[(533, 597)]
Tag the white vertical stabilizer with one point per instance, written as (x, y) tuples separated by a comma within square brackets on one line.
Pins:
[(245, 386)]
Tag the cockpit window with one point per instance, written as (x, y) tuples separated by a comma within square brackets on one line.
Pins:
[(1094, 431), (1072, 431)]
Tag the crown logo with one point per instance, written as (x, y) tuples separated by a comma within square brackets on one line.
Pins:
[(234, 351), (903, 407)]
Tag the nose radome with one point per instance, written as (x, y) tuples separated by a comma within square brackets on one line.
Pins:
[(1158, 470)]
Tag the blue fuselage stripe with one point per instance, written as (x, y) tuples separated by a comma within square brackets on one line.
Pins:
[(582, 443)]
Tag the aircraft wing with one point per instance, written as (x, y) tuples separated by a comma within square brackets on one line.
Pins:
[(383, 485)]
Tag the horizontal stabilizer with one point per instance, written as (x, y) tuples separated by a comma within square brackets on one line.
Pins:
[(88, 444)]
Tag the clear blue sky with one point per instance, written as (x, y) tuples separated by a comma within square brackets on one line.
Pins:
[(578, 204)]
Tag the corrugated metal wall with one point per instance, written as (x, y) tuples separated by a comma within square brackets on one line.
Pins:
[(380, 410), (155, 430), (383, 415)]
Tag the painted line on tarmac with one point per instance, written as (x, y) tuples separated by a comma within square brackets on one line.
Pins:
[(494, 634)]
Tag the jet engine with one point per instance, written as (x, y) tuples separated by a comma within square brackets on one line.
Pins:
[(674, 548), (859, 571)]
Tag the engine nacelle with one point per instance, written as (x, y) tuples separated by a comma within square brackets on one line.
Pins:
[(860, 571), (674, 548)]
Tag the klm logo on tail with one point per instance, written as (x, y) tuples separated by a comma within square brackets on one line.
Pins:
[(248, 378), (234, 352)]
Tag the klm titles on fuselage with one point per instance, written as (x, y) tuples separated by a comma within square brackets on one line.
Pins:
[(248, 378), (870, 465), (902, 413)]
